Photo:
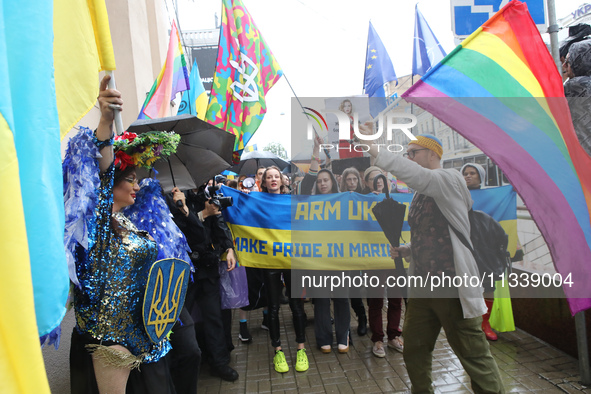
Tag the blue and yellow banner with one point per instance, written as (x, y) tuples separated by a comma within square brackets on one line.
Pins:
[(334, 231)]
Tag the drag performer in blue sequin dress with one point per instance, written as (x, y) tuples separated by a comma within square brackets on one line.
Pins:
[(111, 260)]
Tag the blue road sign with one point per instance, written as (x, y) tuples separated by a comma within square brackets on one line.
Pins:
[(468, 15)]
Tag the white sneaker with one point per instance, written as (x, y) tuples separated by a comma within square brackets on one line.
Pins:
[(396, 344), (378, 349)]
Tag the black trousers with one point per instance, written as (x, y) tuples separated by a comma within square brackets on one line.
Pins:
[(358, 307), (227, 321), (274, 287), (151, 378), (184, 359), (204, 295)]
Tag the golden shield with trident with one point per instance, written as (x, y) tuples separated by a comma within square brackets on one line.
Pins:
[(164, 296)]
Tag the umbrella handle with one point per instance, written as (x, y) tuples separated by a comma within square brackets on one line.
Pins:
[(375, 184), (171, 173), (178, 203)]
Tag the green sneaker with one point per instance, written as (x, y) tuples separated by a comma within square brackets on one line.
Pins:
[(279, 362), (302, 361)]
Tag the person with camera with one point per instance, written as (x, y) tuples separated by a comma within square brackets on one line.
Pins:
[(198, 216)]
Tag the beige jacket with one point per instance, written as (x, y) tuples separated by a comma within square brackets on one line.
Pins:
[(448, 188)]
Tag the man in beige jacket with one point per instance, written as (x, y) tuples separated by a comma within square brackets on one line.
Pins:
[(442, 199)]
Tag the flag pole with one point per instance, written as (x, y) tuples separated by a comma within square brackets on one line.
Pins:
[(389, 107), (412, 82), (116, 112), (302, 107)]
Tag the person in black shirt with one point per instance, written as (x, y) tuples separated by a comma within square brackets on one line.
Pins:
[(208, 237)]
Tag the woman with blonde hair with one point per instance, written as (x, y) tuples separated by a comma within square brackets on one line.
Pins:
[(272, 182), (346, 149)]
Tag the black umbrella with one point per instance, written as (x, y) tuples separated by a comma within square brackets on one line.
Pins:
[(204, 150), (390, 217), (292, 168), (251, 161)]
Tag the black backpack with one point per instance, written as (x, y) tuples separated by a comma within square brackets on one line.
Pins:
[(490, 244)]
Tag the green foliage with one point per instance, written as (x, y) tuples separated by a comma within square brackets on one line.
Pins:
[(277, 149)]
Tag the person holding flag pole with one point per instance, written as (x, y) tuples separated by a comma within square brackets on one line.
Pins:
[(112, 257)]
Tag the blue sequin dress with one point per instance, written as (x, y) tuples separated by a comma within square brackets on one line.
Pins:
[(112, 273)]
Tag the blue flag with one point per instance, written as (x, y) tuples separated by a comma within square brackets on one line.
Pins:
[(378, 71), (195, 99), (427, 51)]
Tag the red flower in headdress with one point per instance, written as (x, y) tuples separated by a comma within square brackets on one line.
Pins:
[(127, 136), (124, 159)]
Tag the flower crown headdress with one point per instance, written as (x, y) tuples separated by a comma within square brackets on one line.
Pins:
[(145, 149)]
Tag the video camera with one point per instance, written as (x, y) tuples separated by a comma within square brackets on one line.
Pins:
[(209, 193)]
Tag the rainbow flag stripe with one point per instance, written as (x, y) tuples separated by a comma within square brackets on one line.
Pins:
[(173, 78), (502, 91)]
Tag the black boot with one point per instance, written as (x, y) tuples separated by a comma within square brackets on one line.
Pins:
[(244, 334), (225, 372), (362, 326), (266, 322)]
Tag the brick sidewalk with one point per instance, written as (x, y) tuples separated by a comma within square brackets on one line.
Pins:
[(526, 363)]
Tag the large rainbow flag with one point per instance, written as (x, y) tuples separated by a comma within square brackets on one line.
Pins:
[(173, 78), (245, 71), (502, 91)]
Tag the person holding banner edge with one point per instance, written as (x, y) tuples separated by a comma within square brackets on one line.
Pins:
[(272, 182), (441, 198), (375, 305), (351, 182), (324, 182)]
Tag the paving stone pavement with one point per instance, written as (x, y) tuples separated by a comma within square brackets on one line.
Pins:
[(526, 363)]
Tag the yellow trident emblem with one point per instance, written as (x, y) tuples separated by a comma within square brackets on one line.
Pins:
[(166, 299)]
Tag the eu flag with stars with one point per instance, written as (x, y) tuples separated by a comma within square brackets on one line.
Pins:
[(378, 71)]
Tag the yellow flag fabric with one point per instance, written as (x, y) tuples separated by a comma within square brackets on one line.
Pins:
[(82, 48), (201, 105), (21, 361), (102, 33)]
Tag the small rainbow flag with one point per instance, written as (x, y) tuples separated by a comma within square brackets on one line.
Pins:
[(401, 187), (502, 91), (173, 78)]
